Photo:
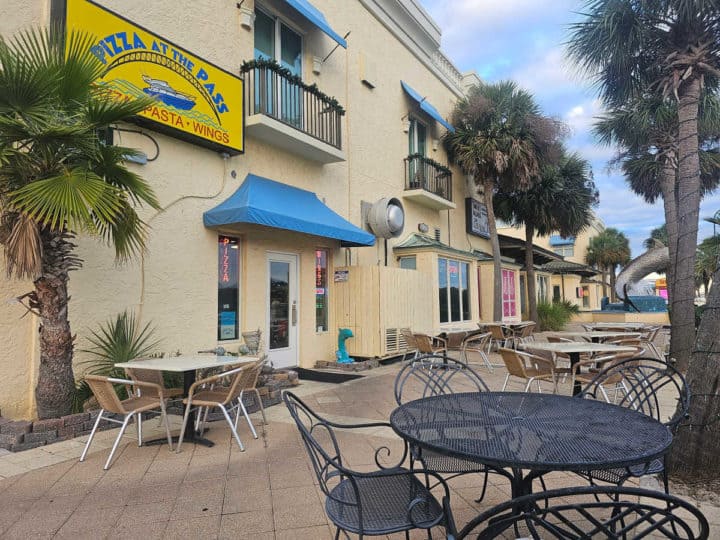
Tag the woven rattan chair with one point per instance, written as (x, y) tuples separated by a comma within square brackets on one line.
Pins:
[(104, 391), (153, 376), (430, 345), (387, 500), (210, 392), (501, 335), (524, 334), (434, 376), (591, 512), (528, 367), (478, 343), (647, 382), (410, 343)]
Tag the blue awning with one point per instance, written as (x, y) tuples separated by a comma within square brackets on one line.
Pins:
[(315, 16), (273, 204), (425, 106), (556, 240)]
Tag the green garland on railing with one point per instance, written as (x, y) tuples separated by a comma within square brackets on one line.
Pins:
[(272, 65), (442, 168)]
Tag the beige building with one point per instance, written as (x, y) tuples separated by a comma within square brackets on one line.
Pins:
[(568, 278), (264, 226)]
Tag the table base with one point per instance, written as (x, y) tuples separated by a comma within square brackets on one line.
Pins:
[(196, 440)]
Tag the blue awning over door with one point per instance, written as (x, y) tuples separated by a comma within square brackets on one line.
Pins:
[(425, 106), (315, 16), (266, 202)]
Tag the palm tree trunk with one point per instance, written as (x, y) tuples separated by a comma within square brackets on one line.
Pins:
[(530, 271), (667, 187), (688, 204), (693, 455), (488, 188), (56, 382)]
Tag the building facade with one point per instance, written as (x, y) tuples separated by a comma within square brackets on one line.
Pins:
[(265, 225)]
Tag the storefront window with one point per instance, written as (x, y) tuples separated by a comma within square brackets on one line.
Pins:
[(542, 289), (508, 293), (228, 293), (453, 290), (409, 263), (586, 296), (321, 292)]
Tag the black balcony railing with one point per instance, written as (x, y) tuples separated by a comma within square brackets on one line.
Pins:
[(273, 91), (424, 173)]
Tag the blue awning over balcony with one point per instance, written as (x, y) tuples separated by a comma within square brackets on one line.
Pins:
[(265, 202), (556, 240), (425, 106), (315, 16)]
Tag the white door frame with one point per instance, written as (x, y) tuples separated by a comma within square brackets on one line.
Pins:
[(286, 356)]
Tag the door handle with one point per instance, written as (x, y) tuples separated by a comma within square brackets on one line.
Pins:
[(294, 313)]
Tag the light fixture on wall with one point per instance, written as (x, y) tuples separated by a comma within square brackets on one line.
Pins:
[(317, 65), (247, 18), (435, 144), (423, 228), (405, 123)]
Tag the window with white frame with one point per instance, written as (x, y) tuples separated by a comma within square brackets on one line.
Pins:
[(454, 293), (565, 251)]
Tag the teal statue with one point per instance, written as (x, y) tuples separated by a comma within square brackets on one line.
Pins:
[(341, 353)]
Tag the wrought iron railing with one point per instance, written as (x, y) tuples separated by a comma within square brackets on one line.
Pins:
[(424, 173), (272, 91)]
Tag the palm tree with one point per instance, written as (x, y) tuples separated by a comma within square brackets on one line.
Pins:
[(56, 178), (607, 250), (665, 48), (646, 132), (502, 140), (657, 236), (542, 209)]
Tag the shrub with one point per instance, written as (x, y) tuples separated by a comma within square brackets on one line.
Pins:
[(554, 316)]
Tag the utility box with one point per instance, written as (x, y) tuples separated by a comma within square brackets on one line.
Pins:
[(375, 302)]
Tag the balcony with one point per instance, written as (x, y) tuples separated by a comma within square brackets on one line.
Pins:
[(427, 182), (286, 113)]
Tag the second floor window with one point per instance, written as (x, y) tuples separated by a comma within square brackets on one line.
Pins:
[(417, 136), (274, 40), (565, 251)]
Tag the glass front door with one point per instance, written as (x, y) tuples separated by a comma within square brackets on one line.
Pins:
[(282, 309)]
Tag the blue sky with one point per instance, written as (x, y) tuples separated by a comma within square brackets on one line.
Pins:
[(522, 40)]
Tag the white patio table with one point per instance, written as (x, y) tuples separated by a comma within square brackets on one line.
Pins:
[(188, 365), (599, 336)]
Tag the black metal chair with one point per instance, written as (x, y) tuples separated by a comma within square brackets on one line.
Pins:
[(639, 383), (386, 501), (433, 376), (591, 512)]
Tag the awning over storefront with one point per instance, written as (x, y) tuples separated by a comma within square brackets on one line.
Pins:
[(568, 267), (315, 16), (515, 249), (274, 204), (425, 106)]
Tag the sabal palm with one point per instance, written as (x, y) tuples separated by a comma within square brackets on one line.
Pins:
[(665, 48), (58, 178), (646, 133), (501, 139), (607, 250), (543, 208)]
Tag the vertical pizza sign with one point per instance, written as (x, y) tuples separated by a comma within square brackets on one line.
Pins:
[(194, 100)]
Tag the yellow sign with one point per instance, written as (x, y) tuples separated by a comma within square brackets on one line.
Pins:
[(661, 283), (196, 100)]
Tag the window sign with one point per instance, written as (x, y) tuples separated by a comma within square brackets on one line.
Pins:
[(228, 292), (453, 290), (321, 291), (508, 293), (194, 100), (476, 218)]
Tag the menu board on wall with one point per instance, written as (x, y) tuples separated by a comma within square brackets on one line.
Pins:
[(476, 218)]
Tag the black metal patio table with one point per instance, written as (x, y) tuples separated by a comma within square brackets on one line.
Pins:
[(514, 432)]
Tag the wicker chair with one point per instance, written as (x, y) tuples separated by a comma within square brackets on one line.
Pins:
[(479, 343), (591, 512), (501, 335), (430, 345), (528, 367), (643, 381), (210, 392), (110, 403), (410, 343), (388, 500)]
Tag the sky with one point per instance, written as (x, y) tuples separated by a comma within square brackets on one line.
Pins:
[(522, 40)]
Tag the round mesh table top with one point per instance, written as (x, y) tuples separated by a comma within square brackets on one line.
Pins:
[(544, 432)]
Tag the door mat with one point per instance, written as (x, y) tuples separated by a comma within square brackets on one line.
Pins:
[(325, 376)]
